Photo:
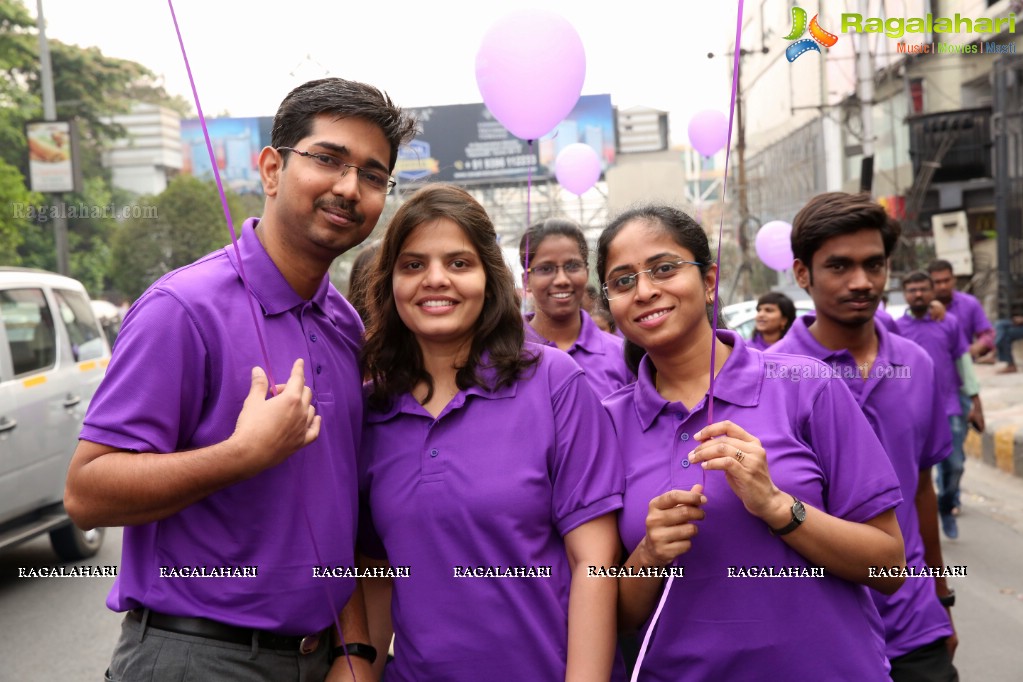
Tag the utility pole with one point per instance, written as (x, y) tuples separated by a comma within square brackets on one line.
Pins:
[(865, 90), (50, 114)]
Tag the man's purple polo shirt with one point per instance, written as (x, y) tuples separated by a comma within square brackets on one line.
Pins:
[(886, 320), (907, 414), (944, 343), (177, 380), (494, 482), (717, 627), (970, 313), (599, 354)]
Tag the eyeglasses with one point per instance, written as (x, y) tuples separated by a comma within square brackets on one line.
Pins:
[(545, 270), (662, 272), (374, 180)]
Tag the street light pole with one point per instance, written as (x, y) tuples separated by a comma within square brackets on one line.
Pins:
[(50, 114)]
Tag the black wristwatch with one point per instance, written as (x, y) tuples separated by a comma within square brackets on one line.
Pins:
[(798, 516), (355, 649), (949, 600)]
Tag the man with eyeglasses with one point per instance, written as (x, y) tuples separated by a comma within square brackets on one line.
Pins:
[(234, 493)]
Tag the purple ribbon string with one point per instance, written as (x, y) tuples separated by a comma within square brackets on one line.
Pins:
[(714, 324), (223, 203), (252, 305)]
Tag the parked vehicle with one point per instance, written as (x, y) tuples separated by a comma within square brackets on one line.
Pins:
[(53, 355)]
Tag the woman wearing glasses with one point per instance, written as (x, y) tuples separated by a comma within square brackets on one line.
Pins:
[(554, 254), (488, 465), (776, 512)]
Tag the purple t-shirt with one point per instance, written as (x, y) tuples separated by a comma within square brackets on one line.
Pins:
[(970, 313), (944, 343), (887, 321), (599, 354), (177, 380), (492, 485), (908, 416), (716, 627), (758, 342)]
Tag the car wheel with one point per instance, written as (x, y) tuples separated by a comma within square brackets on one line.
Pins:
[(71, 543)]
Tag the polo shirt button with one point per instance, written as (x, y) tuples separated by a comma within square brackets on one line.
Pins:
[(679, 415), (434, 452), (684, 436), (685, 464), (312, 337), (319, 369)]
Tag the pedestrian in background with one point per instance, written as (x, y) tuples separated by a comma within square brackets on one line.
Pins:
[(775, 314), (842, 243), (782, 492), (482, 452), (954, 374)]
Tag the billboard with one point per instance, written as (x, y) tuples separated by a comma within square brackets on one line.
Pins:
[(460, 143), (52, 156), (466, 145), (236, 146)]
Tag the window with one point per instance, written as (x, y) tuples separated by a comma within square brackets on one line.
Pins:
[(30, 331), (86, 341)]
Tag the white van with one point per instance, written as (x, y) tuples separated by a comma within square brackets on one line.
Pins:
[(53, 354)]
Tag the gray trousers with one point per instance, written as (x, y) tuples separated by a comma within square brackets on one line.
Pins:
[(153, 655)]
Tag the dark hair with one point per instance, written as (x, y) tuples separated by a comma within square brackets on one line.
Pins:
[(940, 266), (341, 99), (537, 232), (833, 214), (391, 356), (785, 305), (604, 314), (917, 276), (358, 280), (686, 232)]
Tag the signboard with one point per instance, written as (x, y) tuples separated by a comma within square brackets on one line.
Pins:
[(236, 146), (52, 156), (466, 145)]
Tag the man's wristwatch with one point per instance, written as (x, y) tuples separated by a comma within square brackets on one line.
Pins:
[(355, 649), (798, 516), (949, 600)]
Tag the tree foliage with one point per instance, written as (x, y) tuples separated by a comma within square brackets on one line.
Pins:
[(189, 223), (15, 220)]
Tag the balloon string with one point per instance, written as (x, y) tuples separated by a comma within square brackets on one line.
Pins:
[(252, 306), (714, 324), (223, 204), (529, 186)]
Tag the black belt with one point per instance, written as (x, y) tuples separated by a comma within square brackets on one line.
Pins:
[(211, 629)]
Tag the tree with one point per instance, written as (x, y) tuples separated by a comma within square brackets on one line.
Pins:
[(189, 223), (21, 205)]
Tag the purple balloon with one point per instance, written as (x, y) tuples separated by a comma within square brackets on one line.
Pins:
[(708, 131), (530, 70), (774, 245), (577, 168)]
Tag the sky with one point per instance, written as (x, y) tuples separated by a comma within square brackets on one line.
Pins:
[(246, 56)]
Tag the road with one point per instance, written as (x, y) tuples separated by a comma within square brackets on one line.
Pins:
[(59, 628)]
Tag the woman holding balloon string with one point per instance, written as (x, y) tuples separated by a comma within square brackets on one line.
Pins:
[(554, 254), (787, 480), (481, 452)]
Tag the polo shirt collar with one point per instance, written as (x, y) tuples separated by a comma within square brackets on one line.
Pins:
[(271, 290), (589, 339), (887, 352), (407, 404), (739, 382)]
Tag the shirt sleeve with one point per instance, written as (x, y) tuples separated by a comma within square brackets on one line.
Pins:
[(860, 480), (152, 396), (587, 471)]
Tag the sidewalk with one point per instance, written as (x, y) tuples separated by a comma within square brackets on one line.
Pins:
[(1001, 444)]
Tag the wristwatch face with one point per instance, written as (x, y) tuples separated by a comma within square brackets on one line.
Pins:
[(799, 511)]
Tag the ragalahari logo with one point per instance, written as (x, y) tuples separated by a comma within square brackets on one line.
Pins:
[(818, 34)]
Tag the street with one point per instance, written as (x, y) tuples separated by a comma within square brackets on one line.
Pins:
[(60, 629)]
